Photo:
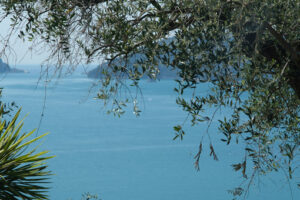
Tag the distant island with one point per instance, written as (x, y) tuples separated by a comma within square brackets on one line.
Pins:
[(5, 68), (164, 72)]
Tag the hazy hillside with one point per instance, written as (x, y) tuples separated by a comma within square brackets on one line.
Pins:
[(164, 72), (5, 68)]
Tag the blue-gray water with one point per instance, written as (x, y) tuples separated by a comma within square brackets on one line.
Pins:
[(129, 158)]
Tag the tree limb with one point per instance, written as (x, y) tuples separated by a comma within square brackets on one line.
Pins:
[(295, 58)]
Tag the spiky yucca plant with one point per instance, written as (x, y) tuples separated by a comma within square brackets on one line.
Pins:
[(23, 171)]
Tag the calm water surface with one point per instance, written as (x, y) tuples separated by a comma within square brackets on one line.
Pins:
[(128, 158)]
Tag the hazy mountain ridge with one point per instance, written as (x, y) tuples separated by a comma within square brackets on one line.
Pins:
[(5, 68), (164, 72)]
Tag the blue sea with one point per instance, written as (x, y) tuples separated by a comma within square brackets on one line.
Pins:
[(130, 158)]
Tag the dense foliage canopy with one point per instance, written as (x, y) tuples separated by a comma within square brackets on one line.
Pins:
[(246, 51)]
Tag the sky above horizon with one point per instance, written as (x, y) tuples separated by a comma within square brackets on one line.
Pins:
[(19, 53)]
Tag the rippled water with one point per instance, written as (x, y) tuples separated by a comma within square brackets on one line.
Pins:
[(128, 158)]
